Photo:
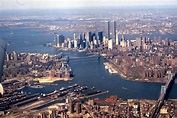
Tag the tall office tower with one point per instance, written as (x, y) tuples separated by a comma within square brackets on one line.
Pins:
[(138, 42), (123, 38), (86, 44), (117, 39), (75, 43), (91, 45), (143, 40), (128, 43), (166, 42), (107, 29), (105, 40), (69, 43), (94, 39), (83, 36), (113, 30), (74, 35), (78, 108), (110, 44), (80, 36), (100, 37), (65, 43), (123, 43), (71, 106), (89, 37), (7, 56), (59, 40), (15, 56)]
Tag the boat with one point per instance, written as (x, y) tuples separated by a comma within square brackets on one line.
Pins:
[(124, 88), (81, 50), (110, 71), (92, 87), (37, 86), (62, 88), (106, 67), (55, 91)]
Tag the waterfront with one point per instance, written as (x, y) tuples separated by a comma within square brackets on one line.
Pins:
[(87, 71)]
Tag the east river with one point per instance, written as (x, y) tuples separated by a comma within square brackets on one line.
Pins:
[(87, 71)]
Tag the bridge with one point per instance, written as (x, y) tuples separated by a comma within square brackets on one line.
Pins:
[(163, 95), (84, 57)]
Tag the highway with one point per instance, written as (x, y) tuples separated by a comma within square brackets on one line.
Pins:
[(162, 96)]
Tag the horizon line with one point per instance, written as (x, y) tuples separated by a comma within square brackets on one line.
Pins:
[(101, 7)]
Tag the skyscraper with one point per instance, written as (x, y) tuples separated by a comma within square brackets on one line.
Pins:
[(71, 106), (78, 108), (100, 37), (138, 42), (75, 43), (74, 35), (110, 44), (113, 30), (107, 30), (89, 37), (59, 39), (15, 56), (117, 39), (7, 56), (110, 30)]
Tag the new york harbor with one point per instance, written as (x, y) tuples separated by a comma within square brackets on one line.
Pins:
[(88, 59)]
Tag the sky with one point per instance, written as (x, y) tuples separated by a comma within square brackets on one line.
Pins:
[(43, 4)]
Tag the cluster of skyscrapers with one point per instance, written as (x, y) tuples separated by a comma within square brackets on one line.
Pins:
[(89, 39)]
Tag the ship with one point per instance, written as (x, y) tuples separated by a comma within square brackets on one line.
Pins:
[(62, 88), (37, 86), (106, 65), (81, 50), (110, 70)]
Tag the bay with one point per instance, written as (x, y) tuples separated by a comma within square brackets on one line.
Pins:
[(87, 71)]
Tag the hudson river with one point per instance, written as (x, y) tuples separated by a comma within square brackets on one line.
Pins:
[(87, 71)]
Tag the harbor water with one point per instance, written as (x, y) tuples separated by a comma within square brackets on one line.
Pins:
[(87, 71)]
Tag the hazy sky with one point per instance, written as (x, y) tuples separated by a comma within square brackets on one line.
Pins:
[(37, 4)]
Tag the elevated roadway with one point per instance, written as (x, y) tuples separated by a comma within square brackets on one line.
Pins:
[(163, 95)]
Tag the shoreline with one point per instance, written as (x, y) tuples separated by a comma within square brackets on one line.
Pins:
[(114, 69), (51, 80), (124, 76)]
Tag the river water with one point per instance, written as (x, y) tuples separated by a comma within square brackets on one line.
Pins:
[(87, 71)]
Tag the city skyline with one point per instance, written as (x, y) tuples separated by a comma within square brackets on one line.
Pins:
[(44, 4), (88, 62)]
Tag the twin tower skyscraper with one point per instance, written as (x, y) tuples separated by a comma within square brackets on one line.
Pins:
[(110, 30)]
